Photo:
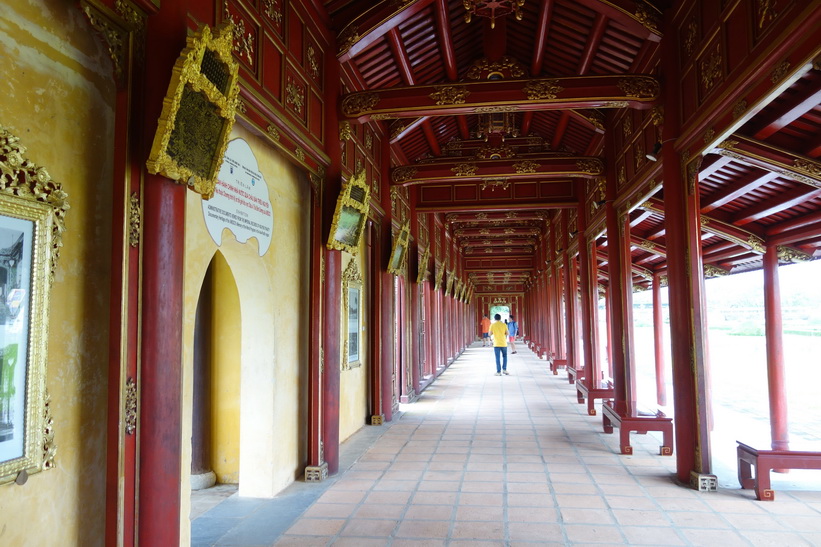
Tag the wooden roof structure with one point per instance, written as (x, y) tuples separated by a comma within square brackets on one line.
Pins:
[(497, 163)]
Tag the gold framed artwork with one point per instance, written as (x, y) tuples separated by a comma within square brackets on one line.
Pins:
[(449, 284), (351, 316), (198, 111), (350, 214), (422, 275), (32, 221), (440, 271), (396, 264)]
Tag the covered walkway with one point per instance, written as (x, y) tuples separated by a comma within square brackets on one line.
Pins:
[(511, 460)]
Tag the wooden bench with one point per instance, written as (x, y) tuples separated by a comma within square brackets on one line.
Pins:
[(765, 461), (556, 364), (640, 424), (602, 392)]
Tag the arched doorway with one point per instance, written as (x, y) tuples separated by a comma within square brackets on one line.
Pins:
[(215, 435)]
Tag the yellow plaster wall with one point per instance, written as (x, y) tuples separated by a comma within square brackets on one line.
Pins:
[(353, 383), (273, 298), (225, 373), (57, 95)]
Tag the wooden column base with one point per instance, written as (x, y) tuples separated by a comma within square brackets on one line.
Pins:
[(702, 482), (316, 473)]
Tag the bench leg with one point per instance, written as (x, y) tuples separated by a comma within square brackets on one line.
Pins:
[(745, 475), (579, 396), (607, 425), (571, 379), (763, 490), (591, 406), (624, 440), (666, 449)]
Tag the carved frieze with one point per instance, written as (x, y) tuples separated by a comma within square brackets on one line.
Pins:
[(243, 42), (591, 167), (402, 174), (352, 105), (464, 169), (526, 166), (710, 70), (542, 89), (449, 94), (130, 410), (789, 255), (641, 87), (134, 215), (495, 182)]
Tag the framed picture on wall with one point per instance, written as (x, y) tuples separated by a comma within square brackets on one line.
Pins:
[(350, 215), (32, 212), (352, 316), (399, 251)]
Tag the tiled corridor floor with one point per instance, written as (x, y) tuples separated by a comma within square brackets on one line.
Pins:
[(512, 460)]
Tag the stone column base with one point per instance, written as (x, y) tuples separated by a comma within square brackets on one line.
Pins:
[(702, 482), (378, 420), (315, 473), (203, 480)]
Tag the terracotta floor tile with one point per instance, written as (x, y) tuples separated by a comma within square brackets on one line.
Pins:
[(435, 498), (572, 500), (316, 527), (652, 535), (714, 538), (533, 514), (419, 543), (333, 510), (429, 512), (302, 541), (439, 486), (776, 539), (593, 533), (637, 517), (494, 487), (690, 519), (479, 513), (478, 530), (530, 531), (493, 500), (388, 497), (359, 542), (530, 500), (369, 527), (379, 511), (423, 529), (342, 496)]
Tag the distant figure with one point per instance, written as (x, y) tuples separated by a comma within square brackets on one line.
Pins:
[(499, 332), (512, 330), (485, 331)]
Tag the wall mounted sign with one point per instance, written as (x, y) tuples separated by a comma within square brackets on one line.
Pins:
[(240, 201)]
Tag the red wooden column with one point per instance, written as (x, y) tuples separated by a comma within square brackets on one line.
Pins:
[(417, 329), (608, 298), (570, 290), (685, 288), (160, 426), (586, 311), (658, 341), (776, 380), (374, 241)]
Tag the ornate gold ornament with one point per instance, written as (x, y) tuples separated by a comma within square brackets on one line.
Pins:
[(347, 38), (622, 176), (714, 271), (397, 262), (483, 65), (526, 166), (542, 89), (130, 411), (481, 216), (313, 63), (299, 153), (464, 169), (780, 72), (647, 245), (495, 182), (692, 174), (380, 117), (273, 10), (422, 274), (403, 174), (690, 35), (198, 112), (241, 107), (739, 109), (511, 214), (368, 140), (811, 168), (708, 135), (641, 87), (350, 214), (351, 283), (397, 129), (663, 280), (295, 96), (495, 109), (449, 94), (356, 103), (134, 216), (591, 167), (627, 125), (440, 270), (648, 16), (765, 12), (33, 209), (345, 131), (114, 34), (710, 70), (756, 244), (244, 42), (791, 255), (273, 132), (615, 104), (639, 154)]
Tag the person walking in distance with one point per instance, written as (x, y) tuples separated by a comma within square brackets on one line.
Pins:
[(512, 331), (498, 330), (485, 331)]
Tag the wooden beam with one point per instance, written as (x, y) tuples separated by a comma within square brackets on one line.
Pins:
[(780, 202), (445, 39), (594, 39), (496, 172), (540, 42), (626, 91), (736, 189), (770, 158), (799, 104), (638, 17), (561, 127)]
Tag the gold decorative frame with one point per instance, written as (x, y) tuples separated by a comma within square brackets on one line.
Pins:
[(449, 284), (399, 251), (198, 111), (351, 309), (350, 215), (423, 266), (32, 222), (440, 272)]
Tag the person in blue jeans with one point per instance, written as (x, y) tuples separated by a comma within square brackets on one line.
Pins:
[(512, 331), (498, 331)]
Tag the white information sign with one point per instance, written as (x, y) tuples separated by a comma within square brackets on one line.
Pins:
[(240, 201)]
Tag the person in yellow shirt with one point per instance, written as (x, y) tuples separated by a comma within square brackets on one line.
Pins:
[(485, 331), (498, 331)]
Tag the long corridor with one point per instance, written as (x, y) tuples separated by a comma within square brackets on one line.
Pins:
[(511, 460)]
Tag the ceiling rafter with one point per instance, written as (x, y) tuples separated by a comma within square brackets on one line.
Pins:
[(808, 98), (734, 190), (373, 24), (770, 158), (781, 202)]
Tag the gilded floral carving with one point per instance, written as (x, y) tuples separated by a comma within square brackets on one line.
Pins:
[(356, 103), (591, 167), (345, 131), (739, 109), (780, 72), (791, 255), (710, 70), (640, 87), (542, 89), (134, 215), (295, 96), (449, 94), (244, 43), (403, 174), (464, 169), (130, 411), (495, 182), (526, 166), (347, 38)]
